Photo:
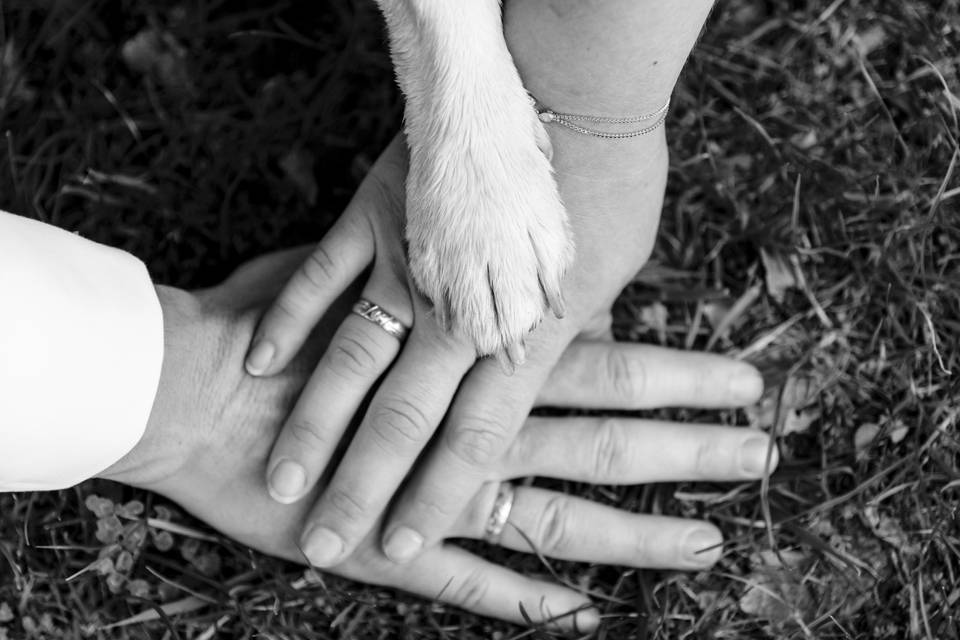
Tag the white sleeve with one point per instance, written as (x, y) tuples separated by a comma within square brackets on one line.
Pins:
[(81, 348)]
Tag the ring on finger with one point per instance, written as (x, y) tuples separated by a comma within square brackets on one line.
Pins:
[(500, 514), (383, 319)]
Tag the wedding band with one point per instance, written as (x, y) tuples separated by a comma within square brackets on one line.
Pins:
[(500, 513), (372, 312)]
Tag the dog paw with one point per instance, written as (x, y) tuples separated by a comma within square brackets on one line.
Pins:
[(488, 238)]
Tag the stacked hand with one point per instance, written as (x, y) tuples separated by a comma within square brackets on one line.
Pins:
[(440, 420), (445, 427), (435, 379), (212, 429)]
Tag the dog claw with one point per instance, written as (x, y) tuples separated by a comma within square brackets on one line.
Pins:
[(487, 235), (555, 301), (517, 353), (544, 143), (442, 313), (506, 364)]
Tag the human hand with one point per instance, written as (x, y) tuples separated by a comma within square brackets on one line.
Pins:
[(416, 394), (212, 428), (612, 191)]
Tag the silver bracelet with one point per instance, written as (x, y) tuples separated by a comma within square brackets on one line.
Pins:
[(568, 120)]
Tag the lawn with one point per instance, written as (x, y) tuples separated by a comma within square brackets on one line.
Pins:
[(811, 226)]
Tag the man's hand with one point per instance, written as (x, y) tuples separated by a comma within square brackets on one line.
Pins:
[(212, 429)]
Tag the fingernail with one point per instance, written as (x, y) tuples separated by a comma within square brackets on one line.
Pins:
[(322, 547), (587, 620), (701, 546), (753, 456), (746, 387), (403, 544), (260, 357), (287, 482)]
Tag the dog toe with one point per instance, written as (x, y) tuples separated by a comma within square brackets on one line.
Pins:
[(543, 140), (487, 234)]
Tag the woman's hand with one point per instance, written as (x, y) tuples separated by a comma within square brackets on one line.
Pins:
[(212, 429)]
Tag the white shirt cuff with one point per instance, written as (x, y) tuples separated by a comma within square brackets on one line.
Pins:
[(81, 349)]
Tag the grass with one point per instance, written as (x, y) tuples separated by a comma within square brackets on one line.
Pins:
[(811, 226)]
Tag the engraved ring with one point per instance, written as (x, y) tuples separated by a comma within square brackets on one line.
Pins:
[(500, 513), (369, 311)]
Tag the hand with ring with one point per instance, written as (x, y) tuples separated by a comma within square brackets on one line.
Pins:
[(408, 405), (413, 397), (613, 194), (213, 427)]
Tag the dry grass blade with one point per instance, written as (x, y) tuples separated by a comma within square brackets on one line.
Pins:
[(739, 308), (181, 530), (190, 604)]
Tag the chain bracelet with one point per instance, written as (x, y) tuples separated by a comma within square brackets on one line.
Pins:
[(568, 120)]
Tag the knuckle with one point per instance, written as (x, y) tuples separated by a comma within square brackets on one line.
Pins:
[(348, 507), (470, 592), (610, 449), (287, 305), (307, 433), (350, 356), (625, 376), (476, 442), (432, 510), (319, 269), (398, 422), (554, 530)]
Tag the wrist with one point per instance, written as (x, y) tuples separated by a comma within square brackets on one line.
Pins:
[(618, 58), (614, 58), (160, 451)]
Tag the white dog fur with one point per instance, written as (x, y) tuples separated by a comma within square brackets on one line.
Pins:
[(488, 238)]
